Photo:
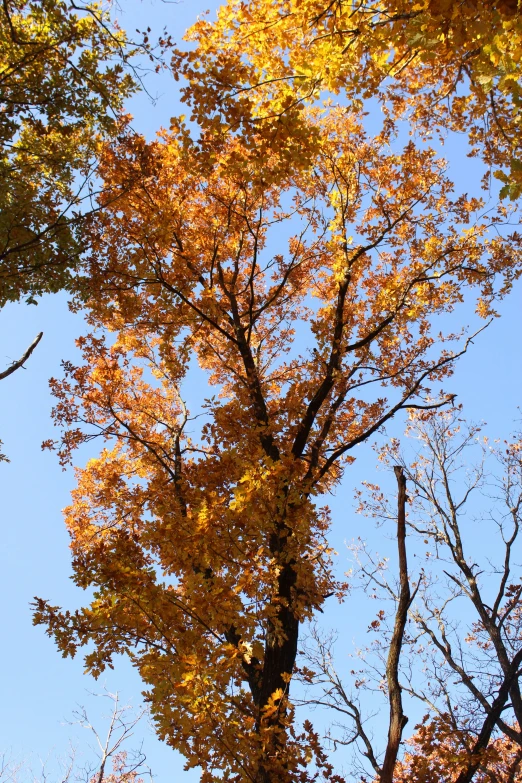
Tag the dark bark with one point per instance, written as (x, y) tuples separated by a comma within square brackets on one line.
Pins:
[(397, 717)]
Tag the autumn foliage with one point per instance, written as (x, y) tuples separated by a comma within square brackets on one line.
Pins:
[(441, 65), (438, 752), (311, 276), (64, 81), (201, 537)]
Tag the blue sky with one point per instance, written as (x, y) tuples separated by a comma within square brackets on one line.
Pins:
[(39, 689)]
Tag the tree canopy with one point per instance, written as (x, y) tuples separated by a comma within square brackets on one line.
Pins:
[(441, 65)]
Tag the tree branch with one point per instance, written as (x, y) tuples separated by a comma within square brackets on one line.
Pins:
[(16, 365), (398, 719)]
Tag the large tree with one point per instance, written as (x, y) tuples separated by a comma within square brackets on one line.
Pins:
[(311, 299)]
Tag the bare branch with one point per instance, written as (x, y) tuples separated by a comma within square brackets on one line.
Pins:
[(16, 365), (398, 719)]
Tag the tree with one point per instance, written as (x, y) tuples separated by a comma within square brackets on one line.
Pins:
[(206, 547), (463, 638), (439, 64), (65, 75), (127, 766)]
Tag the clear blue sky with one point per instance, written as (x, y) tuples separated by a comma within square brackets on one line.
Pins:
[(39, 689)]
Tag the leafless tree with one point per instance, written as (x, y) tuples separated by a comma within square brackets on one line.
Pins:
[(461, 631), (113, 761)]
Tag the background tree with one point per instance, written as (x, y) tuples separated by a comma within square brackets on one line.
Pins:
[(463, 641), (126, 766), (64, 78), (205, 546)]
